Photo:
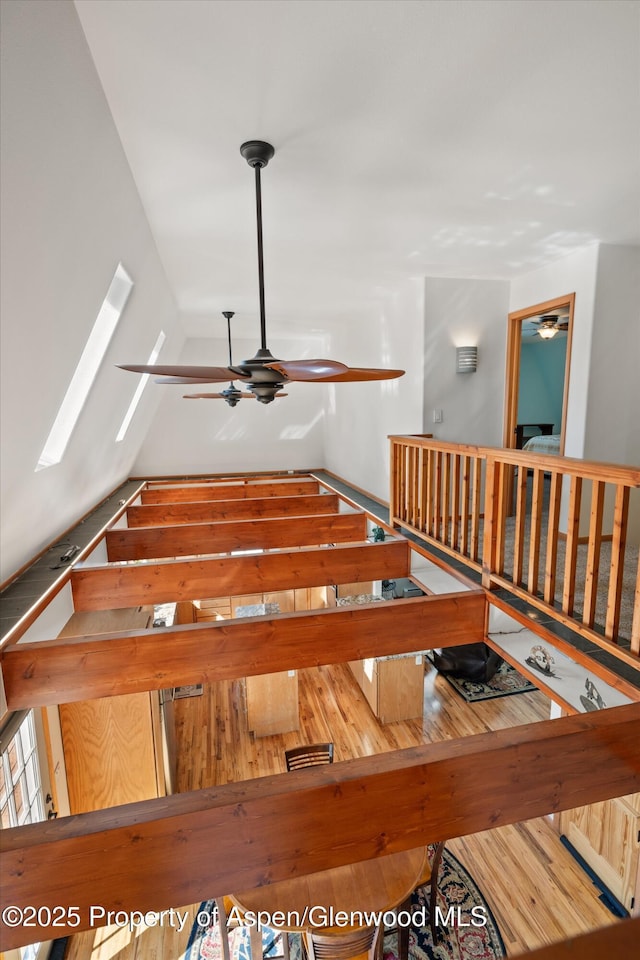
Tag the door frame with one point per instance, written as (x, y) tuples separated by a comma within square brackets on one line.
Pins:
[(512, 377)]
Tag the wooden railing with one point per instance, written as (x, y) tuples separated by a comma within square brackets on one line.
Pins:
[(550, 529)]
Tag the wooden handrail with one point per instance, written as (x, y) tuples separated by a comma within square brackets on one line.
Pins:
[(445, 491)]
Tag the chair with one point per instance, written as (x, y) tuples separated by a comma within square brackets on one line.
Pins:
[(308, 756), (470, 661), (352, 942), (430, 877), (224, 907)]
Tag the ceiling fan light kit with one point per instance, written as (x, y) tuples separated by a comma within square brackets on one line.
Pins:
[(548, 326), (263, 375)]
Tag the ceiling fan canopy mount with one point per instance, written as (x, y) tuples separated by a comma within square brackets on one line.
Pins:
[(263, 374), (257, 153)]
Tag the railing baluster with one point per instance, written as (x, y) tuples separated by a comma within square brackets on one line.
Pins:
[(464, 506), (593, 553), (413, 487), (553, 524), (420, 489), (437, 505), (476, 496), (403, 485), (393, 487), (635, 627), (504, 502), (455, 504), (408, 482), (618, 544), (446, 498), (573, 530), (535, 528), (519, 528), (491, 500), (429, 493)]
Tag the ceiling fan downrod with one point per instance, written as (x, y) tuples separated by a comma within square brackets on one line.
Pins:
[(257, 153)]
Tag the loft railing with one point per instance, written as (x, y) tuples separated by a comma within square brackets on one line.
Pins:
[(552, 530)]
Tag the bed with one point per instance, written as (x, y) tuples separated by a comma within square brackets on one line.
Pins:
[(549, 444)]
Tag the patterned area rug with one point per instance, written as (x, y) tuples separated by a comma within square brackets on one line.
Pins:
[(504, 683), (467, 929)]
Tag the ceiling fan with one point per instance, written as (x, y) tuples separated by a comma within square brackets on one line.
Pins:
[(263, 374), (548, 325), (231, 395)]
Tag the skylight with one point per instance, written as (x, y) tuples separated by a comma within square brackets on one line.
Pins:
[(87, 369), (144, 379)]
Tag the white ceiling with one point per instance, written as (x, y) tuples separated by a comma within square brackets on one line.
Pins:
[(470, 139)]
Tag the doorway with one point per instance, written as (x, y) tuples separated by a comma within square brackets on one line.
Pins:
[(548, 324)]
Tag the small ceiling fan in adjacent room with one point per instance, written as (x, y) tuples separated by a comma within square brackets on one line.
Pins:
[(263, 374), (549, 324), (232, 395)]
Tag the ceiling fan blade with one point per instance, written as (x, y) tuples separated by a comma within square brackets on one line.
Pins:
[(207, 374), (221, 396), (217, 396), (307, 369), (192, 381), (359, 374)]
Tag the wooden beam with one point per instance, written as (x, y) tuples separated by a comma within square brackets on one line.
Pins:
[(229, 491), (188, 539), (111, 586), (620, 939), (236, 836), (84, 668), (207, 511)]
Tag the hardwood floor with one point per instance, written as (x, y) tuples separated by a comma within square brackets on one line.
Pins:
[(534, 887)]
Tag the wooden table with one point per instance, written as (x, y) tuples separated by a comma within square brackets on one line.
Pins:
[(371, 885)]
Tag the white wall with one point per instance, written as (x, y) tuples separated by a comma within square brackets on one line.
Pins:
[(613, 409), (613, 406), (573, 274), (209, 436), (70, 212), (604, 387), (458, 313), (361, 416)]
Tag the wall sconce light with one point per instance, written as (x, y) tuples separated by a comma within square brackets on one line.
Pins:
[(466, 359)]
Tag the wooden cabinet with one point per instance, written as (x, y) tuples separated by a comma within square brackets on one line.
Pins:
[(115, 748), (272, 703), (607, 837), (393, 686)]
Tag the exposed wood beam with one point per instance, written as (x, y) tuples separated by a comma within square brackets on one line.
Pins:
[(112, 586), (203, 511), (85, 668), (236, 836), (228, 491), (188, 539)]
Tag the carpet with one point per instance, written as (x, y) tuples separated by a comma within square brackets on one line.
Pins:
[(504, 683), (467, 928)]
